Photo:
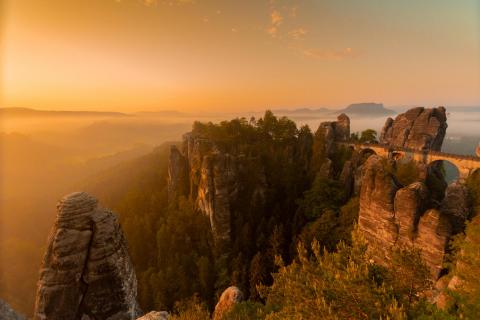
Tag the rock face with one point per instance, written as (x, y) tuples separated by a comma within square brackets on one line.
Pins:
[(87, 272), (334, 131), (391, 216), (178, 182), (418, 128), (218, 186), (7, 313), (376, 214), (213, 180), (457, 205), (231, 296)]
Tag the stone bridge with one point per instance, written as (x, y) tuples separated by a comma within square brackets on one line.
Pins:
[(465, 164)]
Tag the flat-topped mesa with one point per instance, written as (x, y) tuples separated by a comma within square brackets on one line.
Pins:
[(418, 129), (87, 272)]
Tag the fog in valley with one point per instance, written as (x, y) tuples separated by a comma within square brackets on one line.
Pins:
[(43, 157)]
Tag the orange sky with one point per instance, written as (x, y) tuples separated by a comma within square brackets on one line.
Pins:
[(193, 55)]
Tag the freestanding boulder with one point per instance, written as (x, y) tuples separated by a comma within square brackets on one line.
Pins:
[(231, 296), (87, 272)]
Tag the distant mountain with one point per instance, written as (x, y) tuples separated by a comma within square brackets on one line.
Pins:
[(301, 110), (30, 113), (367, 109)]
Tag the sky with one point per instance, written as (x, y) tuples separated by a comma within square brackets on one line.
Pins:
[(207, 55)]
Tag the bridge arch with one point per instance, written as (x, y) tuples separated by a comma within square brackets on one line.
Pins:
[(449, 170), (365, 153), (439, 174)]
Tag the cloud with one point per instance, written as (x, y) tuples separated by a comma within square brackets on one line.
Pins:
[(330, 54), (298, 33), (276, 19), (283, 22)]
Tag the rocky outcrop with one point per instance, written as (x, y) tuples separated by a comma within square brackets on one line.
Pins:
[(215, 181), (409, 205), (155, 315), (87, 272), (392, 217), (334, 131), (434, 232), (217, 188), (7, 313), (418, 128), (456, 205), (178, 181), (376, 214), (231, 296)]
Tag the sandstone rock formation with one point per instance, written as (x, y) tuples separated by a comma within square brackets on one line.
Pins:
[(178, 180), (213, 180), (155, 315), (87, 272), (434, 232), (456, 205), (418, 128), (391, 217), (334, 131), (218, 186), (7, 313), (231, 296), (376, 214)]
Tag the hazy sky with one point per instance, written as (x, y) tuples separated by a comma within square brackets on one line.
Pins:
[(238, 55)]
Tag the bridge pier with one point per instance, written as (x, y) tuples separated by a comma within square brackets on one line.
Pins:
[(463, 174)]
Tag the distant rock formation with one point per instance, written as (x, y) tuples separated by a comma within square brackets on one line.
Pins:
[(7, 313), (87, 272), (418, 128), (231, 296), (367, 109), (391, 215)]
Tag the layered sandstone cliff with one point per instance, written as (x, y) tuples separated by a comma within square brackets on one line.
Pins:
[(392, 216), (87, 272)]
